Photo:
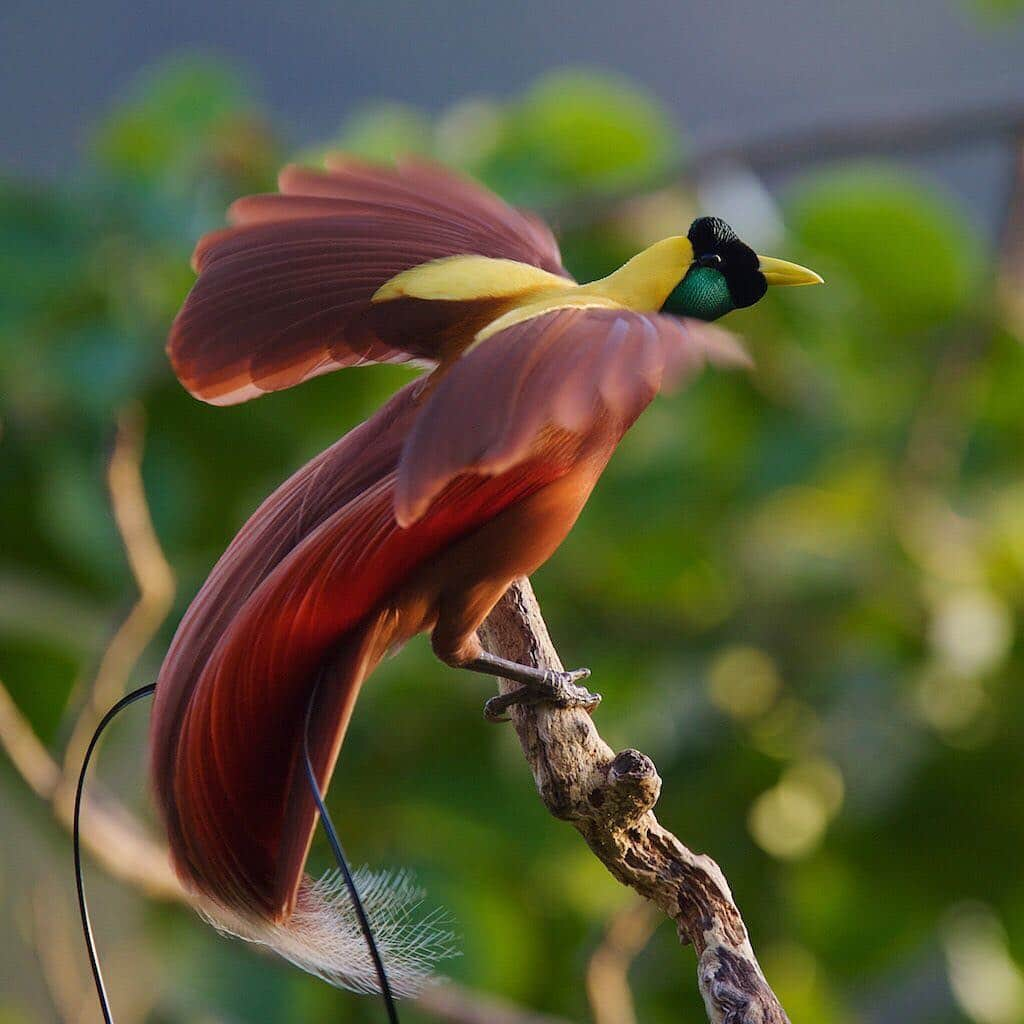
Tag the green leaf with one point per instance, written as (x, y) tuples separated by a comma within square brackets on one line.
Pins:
[(912, 256), (580, 128), (996, 12), (186, 114), (385, 131)]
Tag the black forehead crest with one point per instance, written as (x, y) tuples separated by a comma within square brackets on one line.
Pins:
[(706, 234), (739, 261)]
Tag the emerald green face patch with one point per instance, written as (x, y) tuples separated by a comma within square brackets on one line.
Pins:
[(703, 294)]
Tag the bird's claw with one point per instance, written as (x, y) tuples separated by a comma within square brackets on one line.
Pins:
[(558, 688)]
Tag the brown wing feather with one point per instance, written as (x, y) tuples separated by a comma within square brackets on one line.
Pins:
[(425, 187), (568, 368), (284, 294)]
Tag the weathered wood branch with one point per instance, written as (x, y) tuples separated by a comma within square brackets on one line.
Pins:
[(609, 799)]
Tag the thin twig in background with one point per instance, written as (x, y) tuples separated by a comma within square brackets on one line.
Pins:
[(152, 574), (608, 798), (608, 989), (56, 939), (940, 430), (110, 832), (28, 755), (905, 132), (1011, 262), (52, 941)]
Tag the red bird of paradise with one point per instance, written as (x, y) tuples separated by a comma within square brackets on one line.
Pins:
[(418, 519)]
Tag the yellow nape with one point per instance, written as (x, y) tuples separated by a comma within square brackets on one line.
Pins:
[(461, 278), (645, 282), (642, 285)]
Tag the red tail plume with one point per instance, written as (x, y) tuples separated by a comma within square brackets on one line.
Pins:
[(316, 585)]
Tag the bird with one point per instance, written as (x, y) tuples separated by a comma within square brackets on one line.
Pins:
[(418, 519)]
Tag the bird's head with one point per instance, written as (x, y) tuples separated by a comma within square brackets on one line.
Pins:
[(726, 274)]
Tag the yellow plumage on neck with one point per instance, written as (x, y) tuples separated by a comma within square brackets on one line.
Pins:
[(644, 282)]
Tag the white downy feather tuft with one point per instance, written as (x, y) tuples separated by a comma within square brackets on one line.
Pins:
[(323, 937)]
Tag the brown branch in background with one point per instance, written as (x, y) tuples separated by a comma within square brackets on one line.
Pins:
[(899, 133), (52, 939), (905, 133), (109, 831), (1011, 262), (28, 755), (608, 991), (940, 430), (608, 798), (152, 574), (56, 939)]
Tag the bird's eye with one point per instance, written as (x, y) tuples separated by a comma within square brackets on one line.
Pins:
[(710, 259)]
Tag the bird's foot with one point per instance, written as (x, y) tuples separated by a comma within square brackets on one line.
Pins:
[(557, 688)]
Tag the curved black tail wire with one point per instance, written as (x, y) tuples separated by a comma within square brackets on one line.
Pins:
[(83, 909), (346, 873), (325, 818)]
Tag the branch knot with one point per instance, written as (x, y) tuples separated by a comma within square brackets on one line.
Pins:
[(631, 790)]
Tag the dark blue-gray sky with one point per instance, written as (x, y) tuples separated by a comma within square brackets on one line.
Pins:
[(724, 68)]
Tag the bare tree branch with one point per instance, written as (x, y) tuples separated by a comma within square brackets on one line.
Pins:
[(906, 133), (608, 798), (901, 132), (109, 831), (31, 759), (153, 577), (1011, 263), (51, 940)]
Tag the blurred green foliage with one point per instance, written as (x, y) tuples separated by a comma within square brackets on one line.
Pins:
[(799, 589), (997, 12)]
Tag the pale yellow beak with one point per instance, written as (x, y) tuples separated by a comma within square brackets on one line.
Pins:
[(780, 273)]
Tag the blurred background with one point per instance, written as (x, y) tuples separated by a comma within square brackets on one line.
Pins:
[(800, 590)]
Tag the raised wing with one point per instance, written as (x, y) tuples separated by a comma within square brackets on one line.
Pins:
[(586, 370), (287, 292)]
